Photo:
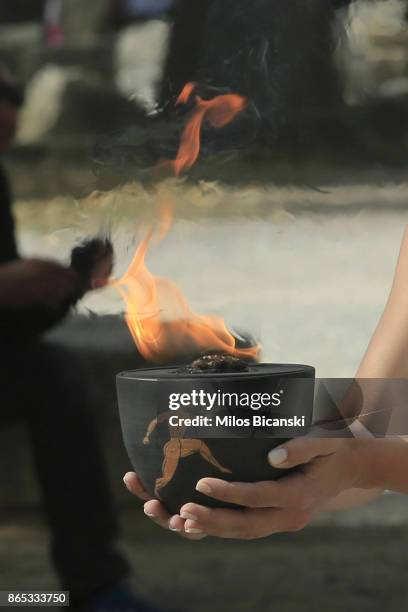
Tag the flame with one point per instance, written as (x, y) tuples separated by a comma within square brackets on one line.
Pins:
[(218, 112), (158, 315), (186, 94)]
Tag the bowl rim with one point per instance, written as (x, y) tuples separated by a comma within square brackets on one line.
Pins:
[(258, 370)]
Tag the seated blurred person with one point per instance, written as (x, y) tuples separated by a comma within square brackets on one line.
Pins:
[(42, 385)]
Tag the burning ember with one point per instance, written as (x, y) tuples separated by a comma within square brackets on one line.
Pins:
[(158, 315), (218, 363)]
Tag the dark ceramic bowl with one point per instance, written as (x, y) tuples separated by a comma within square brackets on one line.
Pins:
[(170, 454)]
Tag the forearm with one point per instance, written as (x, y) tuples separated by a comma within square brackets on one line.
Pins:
[(385, 468), (387, 358), (387, 353)]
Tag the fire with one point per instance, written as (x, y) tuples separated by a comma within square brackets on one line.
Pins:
[(158, 315), (218, 112)]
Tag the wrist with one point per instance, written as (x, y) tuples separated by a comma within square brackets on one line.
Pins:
[(384, 464), (369, 463)]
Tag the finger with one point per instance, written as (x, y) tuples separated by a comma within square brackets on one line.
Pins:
[(247, 524), (301, 450), (292, 491), (134, 485), (177, 524), (159, 515)]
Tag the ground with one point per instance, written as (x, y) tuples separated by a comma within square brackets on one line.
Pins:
[(356, 562)]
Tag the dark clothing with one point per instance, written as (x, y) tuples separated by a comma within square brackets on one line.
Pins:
[(185, 48), (19, 326), (8, 247), (43, 385)]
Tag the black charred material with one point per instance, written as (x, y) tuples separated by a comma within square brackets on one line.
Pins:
[(218, 363)]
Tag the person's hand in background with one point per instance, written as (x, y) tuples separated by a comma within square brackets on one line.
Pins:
[(35, 282)]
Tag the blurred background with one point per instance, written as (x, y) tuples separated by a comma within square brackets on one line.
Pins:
[(308, 248)]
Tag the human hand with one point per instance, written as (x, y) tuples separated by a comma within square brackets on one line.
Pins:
[(156, 511), (93, 262), (327, 467), (35, 282)]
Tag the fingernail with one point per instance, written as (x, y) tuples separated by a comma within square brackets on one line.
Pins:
[(176, 516), (278, 456), (203, 487), (147, 513), (188, 516), (193, 530)]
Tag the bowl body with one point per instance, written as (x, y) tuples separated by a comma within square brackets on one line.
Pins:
[(171, 445)]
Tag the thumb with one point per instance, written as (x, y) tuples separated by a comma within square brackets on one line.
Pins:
[(300, 451)]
